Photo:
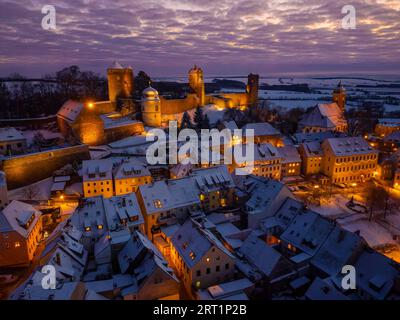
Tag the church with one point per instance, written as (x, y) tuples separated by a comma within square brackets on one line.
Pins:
[(326, 117)]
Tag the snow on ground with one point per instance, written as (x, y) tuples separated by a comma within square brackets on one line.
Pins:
[(75, 188), (36, 191), (372, 232), (30, 134)]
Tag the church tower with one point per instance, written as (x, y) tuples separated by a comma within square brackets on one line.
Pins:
[(252, 89), (339, 96), (196, 84), (151, 107), (120, 82)]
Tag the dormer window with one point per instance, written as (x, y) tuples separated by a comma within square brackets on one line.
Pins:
[(100, 226), (158, 204), (87, 229)]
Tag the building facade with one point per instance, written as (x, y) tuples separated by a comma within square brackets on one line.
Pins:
[(348, 160), (20, 234), (12, 142)]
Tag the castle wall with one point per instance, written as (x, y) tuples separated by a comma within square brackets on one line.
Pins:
[(89, 129), (237, 99), (121, 132), (32, 123), (30, 168), (174, 106)]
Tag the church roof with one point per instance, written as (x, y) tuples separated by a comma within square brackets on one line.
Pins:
[(325, 116)]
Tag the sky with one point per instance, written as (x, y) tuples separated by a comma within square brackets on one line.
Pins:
[(224, 37)]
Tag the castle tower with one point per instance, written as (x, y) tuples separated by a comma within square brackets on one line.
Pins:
[(151, 107), (252, 89), (196, 84), (339, 96), (120, 82)]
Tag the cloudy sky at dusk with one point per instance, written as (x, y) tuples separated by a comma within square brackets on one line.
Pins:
[(225, 37)]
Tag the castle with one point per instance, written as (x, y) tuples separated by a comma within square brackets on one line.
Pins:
[(157, 110), (101, 122)]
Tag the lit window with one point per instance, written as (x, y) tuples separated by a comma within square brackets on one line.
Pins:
[(100, 226), (87, 229), (157, 204), (202, 197), (192, 255), (17, 245)]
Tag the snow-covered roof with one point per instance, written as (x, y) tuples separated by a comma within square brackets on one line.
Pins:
[(340, 248), (375, 274), (289, 154), (10, 134), (349, 146), (99, 169), (317, 136), (285, 215), (58, 186), (392, 137), (263, 192), (262, 129), (260, 255), (130, 168), (140, 254), (308, 231), (328, 116), (212, 178), (264, 152), (70, 110), (193, 242), (20, 217), (323, 289), (312, 149), (89, 217), (64, 291), (169, 194), (122, 212), (226, 290), (114, 120)]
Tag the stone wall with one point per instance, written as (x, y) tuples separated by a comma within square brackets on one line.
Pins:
[(122, 132), (30, 168)]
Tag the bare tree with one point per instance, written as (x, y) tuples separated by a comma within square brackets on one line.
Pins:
[(31, 192)]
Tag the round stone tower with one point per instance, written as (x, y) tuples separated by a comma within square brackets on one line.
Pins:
[(120, 82), (151, 107)]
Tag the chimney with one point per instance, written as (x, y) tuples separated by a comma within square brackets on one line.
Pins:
[(58, 259)]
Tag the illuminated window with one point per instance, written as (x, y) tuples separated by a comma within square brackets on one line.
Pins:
[(100, 226), (223, 202), (87, 229), (198, 284), (157, 204), (17, 245), (192, 255), (202, 197)]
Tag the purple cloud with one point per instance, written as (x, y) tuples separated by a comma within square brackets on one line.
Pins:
[(165, 37)]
